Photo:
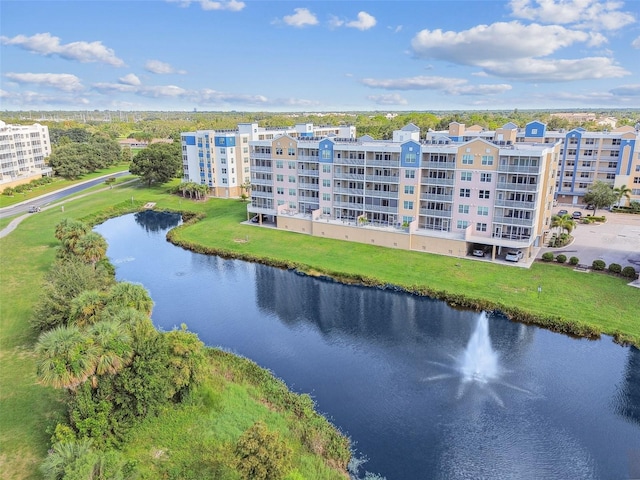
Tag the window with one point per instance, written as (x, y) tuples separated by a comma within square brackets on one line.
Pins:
[(637, 168), (326, 197), (291, 151), (291, 165), (462, 224), (636, 180), (481, 227), (279, 178), (280, 190), (484, 211), (410, 158), (292, 179), (487, 160), (292, 191), (279, 164), (467, 159), (463, 208), (407, 219), (408, 205), (484, 194), (246, 169), (326, 168), (223, 161), (224, 171), (408, 189), (224, 180), (279, 151), (485, 177), (409, 174), (326, 154), (245, 149), (326, 210), (326, 182), (465, 192), (465, 176)]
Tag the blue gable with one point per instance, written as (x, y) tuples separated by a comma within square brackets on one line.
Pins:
[(225, 141), (535, 129), (326, 151), (410, 154)]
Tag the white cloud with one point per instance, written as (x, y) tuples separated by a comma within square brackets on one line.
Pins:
[(531, 69), (158, 67), (498, 41), (636, 43), (335, 22), (302, 18), (627, 90), (451, 86), (388, 99), (60, 81), (46, 44), (130, 79), (365, 21), (230, 5), (209, 96), (414, 83), (593, 14), (29, 98)]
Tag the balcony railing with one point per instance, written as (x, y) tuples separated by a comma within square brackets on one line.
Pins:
[(348, 176), (382, 178), (519, 169), (262, 181), (435, 213), (445, 165), (348, 191), (309, 172), (515, 204), (520, 187), (355, 206), (379, 193), (438, 197), (437, 181), (380, 208), (383, 163), (348, 161), (260, 168), (526, 222)]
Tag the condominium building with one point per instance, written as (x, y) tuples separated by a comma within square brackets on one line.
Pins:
[(220, 158), (23, 149), (442, 195), (585, 157)]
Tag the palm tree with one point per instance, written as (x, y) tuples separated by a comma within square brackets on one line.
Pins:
[(92, 248), (113, 347), (69, 232), (563, 222), (62, 456), (86, 308), (127, 294), (66, 357), (622, 191)]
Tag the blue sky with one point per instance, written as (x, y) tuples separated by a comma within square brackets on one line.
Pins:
[(319, 55)]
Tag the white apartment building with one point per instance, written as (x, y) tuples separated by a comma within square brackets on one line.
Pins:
[(23, 149), (442, 195), (220, 158)]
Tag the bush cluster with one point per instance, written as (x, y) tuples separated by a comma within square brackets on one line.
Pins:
[(615, 268), (561, 258), (598, 265), (629, 272), (574, 261), (547, 256)]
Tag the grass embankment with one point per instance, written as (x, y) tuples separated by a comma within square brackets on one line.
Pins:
[(223, 407)]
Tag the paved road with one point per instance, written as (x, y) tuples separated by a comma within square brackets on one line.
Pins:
[(46, 204), (44, 200), (615, 241)]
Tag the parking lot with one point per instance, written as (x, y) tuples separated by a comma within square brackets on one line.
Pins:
[(615, 241)]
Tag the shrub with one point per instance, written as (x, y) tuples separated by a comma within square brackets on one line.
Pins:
[(574, 260), (598, 265), (561, 258), (260, 454), (629, 272), (9, 191), (615, 268), (547, 256)]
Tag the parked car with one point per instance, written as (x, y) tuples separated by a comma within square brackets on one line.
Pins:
[(577, 215), (34, 209), (562, 212), (591, 207), (256, 219), (513, 255), (480, 250)]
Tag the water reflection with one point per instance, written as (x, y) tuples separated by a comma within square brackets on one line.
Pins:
[(154, 221)]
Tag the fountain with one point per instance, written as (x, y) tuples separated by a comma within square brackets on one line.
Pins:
[(479, 361)]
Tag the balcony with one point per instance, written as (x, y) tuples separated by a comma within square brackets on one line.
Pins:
[(436, 165), (379, 193), (261, 168), (262, 181), (308, 185), (382, 178), (519, 187), (515, 204), (309, 172), (383, 163), (348, 161), (437, 197), (354, 206), (525, 222), (348, 191), (380, 208), (348, 176), (437, 181), (519, 169), (430, 212), (260, 194)]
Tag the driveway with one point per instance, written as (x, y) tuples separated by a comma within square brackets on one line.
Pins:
[(615, 241)]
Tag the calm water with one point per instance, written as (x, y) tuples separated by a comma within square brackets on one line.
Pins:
[(385, 366)]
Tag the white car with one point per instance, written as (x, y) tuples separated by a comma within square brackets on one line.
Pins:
[(513, 255)]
